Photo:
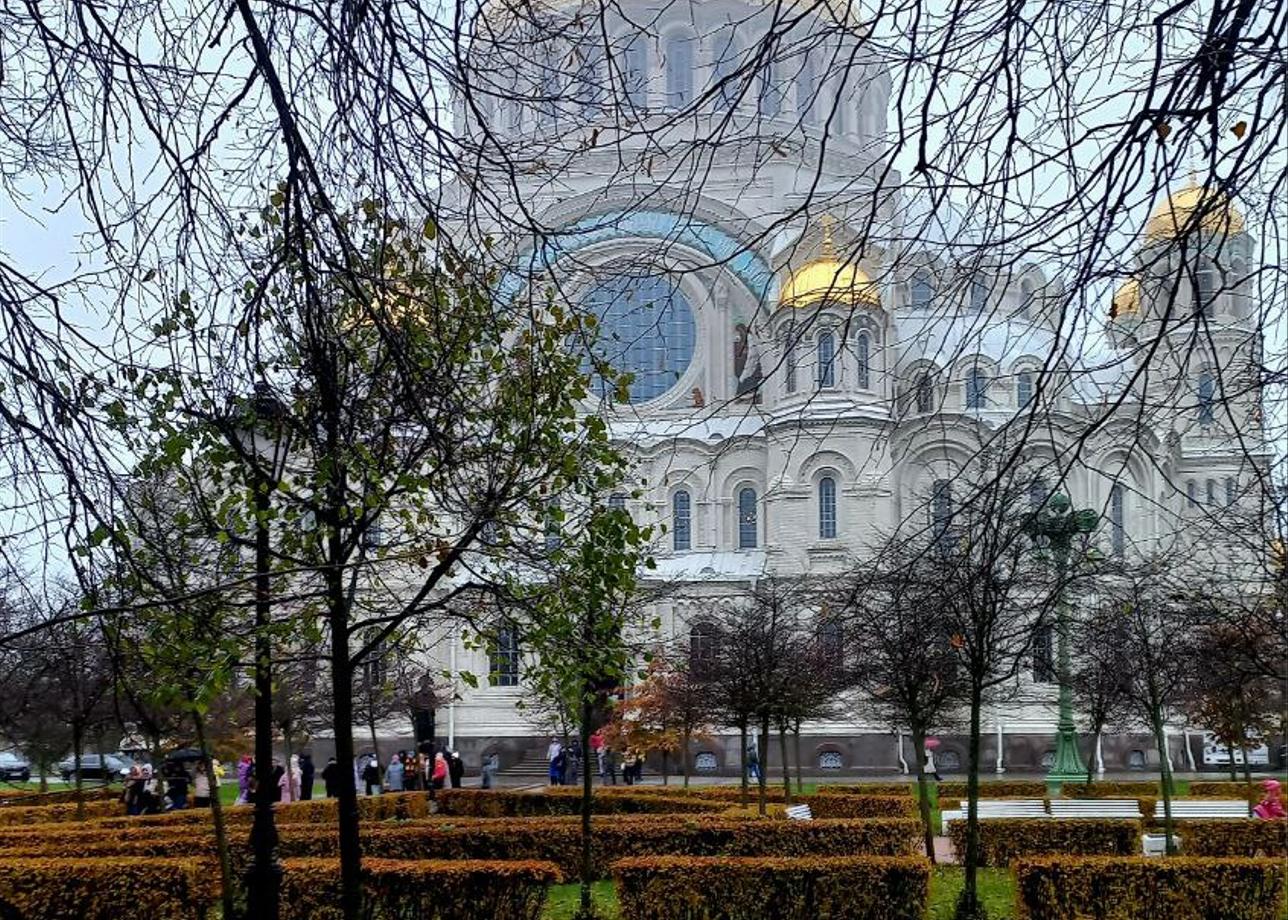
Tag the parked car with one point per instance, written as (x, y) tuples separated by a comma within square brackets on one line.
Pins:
[(92, 767), (14, 768)]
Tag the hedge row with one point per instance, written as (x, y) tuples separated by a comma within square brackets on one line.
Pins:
[(1004, 839), (393, 806), (1224, 789), (904, 788), (1111, 790), (1233, 838), (424, 889), (1149, 889), (560, 843), (824, 805), (853, 888), (484, 803), (996, 789), (50, 814), (17, 798), (100, 889)]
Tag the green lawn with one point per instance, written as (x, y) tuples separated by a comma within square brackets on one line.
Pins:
[(996, 890)]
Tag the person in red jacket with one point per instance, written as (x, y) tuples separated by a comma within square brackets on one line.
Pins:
[(1271, 806), (440, 770)]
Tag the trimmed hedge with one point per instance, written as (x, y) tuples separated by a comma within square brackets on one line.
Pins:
[(1149, 889), (1111, 790), (996, 789), (394, 806), (852, 888), (1224, 789), (102, 889), (1004, 839), (425, 889), (823, 805), (560, 841), (23, 798), (50, 814), (906, 788), (1233, 838), (492, 803)]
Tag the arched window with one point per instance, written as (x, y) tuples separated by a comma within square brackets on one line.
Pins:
[(978, 295), (681, 521), (922, 289), (1023, 388), (941, 510), (807, 90), (549, 92), (1191, 493), (1207, 395), (861, 353), (1026, 297), (827, 508), (554, 525), (1231, 490), (747, 534), (679, 71), (724, 70), (1043, 655), (925, 394), (503, 658), (826, 360), (1117, 522), (589, 78), (635, 73), (770, 96), (703, 647), (1038, 493), (976, 388), (617, 501), (1207, 282), (831, 645), (789, 359), (1211, 492)]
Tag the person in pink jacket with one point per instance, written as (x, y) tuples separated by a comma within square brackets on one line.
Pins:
[(1271, 806)]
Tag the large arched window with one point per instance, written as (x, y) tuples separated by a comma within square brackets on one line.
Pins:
[(681, 520), (646, 328), (1207, 396), (635, 73), (503, 658), (770, 96), (679, 71), (826, 359), (1207, 282), (1023, 388), (703, 648), (1117, 521), (941, 510), (861, 357), (922, 289), (827, 508), (747, 529), (789, 359), (925, 393), (976, 388), (724, 72), (807, 103)]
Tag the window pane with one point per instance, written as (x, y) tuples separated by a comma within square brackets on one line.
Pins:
[(923, 290), (826, 360), (827, 508), (1024, 388), (1231, 487), (1117, 523), (976, 389), (679, 72), (771, 95), (941, 509), (747, 519), (925, 394), (503, 660), (647, 329), (1043, 655), (681, 521), (1207, 393), (861, 359)]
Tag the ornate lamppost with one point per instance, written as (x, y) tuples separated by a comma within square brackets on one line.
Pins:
[(1053, 527)]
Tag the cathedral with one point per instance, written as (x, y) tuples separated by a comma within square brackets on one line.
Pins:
[(819, 349)]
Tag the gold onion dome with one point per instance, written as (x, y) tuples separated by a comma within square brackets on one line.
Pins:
[(829, 279), (1176, 215), (1126, 300)]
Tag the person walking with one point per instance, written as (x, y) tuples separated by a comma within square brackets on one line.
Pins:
[(1271, 806), (753, 763), (331, 778), (306, 777), (628, 767), (553, 750), (371, 776), (394, 774), (245, 770), (930, 764), (490, 766), (439, 777), (201, 788), (610, 764), (176, 790), (573, 771), (455, 769)]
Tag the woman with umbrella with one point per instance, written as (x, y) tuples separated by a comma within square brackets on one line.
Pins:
[(931, 744)]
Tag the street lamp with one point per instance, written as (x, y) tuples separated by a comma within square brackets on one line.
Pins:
[(1054, 526), (264, 445)]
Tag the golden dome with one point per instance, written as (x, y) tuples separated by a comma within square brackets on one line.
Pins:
[(832, 280), (1126, 300), (1176, 214)]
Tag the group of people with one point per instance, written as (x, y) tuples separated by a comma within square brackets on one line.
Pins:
[(410, 771), (149, 792), (565, 762), (292, 782)]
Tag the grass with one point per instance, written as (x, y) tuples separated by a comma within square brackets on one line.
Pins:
[(996, 888)]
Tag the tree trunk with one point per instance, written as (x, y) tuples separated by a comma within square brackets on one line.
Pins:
[(742, 742), (1247, 769), (664, 768), (787, 768), (923, 791), (1234, 767), (688, 735), (968, 906), (375, 745), (796, 735), (1165, 773), (347, 793), (78, 742), (217, 814), (1095, 742), (587, 713), (263, 882), (762, 770)]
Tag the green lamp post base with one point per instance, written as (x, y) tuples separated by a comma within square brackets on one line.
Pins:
[(1068, 766)]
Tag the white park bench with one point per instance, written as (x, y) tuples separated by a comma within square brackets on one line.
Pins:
[(1128, 809), (1203, 808), (991, 809), (800, 813)]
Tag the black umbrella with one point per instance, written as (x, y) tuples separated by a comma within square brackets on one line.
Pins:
[(184, 755)]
